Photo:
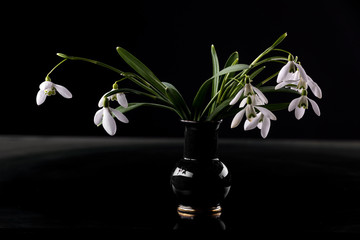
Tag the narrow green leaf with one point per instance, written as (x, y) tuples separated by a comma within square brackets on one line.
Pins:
[(233, 68), (133, 106), (268, 79), (272, 59), (232, 60), (218, 110), (255, 73), (269, 49), (141, 69), (224, 78), (177, 100), (215, 63), (200, 98), (129, 90)]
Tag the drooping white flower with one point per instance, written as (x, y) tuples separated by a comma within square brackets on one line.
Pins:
[(262, 121), (105, 116), (48, 88), (301, 103), (299, 78), (286, 72), (119, 97), (250, 90), (253, 119)]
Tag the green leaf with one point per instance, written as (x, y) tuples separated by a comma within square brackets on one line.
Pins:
[(133, 106), (272, 59), (233, 68), (141, 69), (268, 79), (177, 100), (232, 60), (269, 49), (255, 73), (219, 110), (215, 63), (129, 90), (277, 42), (200, 98)]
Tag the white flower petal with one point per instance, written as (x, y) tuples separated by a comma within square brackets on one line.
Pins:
[(249, 125), (98, 117), (119, 115), (261, 95), (108, 122), (267, 113), (315, 106), (237, 97), (293, 104), (266, 123), (295, 76), (101, 101), (121, 98), (45, 85), (63, 91), (284, 83), (243, 103), (315, 88), (237, 119), (284, 72), (299, 112), (40, 97), (302, 72)]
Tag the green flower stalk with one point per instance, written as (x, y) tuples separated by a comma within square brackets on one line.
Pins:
[(216, 97)]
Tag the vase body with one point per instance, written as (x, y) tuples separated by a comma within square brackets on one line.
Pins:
[(200, 180)]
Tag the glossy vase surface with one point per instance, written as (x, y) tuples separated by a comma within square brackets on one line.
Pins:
[(200, 180)]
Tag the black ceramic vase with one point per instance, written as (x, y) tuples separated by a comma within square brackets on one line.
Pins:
[(200, 181)]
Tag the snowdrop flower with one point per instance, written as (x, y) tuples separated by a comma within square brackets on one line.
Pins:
[(286, 72), (301, 103), (287, 76), (119, 97), (48, 88), (250, 90), (105, 116), (262, 121)]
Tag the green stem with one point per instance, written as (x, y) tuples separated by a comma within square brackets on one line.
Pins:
[(93, 62), (47, 76), (133, 77), (282, 50)]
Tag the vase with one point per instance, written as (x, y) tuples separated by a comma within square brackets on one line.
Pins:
[(200, 180)]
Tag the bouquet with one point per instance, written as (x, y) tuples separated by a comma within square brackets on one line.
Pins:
[(233, 91)]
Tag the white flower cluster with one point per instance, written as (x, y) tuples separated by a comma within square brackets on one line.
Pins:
[(253, 100), (293, 76), (298, 80)]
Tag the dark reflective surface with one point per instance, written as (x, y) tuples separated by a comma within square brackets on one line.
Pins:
[(103, 185)]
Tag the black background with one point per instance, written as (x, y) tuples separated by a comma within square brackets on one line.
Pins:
[(173, 39)]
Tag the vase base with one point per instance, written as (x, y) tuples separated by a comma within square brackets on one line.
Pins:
[(187, 212)]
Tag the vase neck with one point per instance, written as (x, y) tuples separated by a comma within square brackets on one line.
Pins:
[(201, 140)]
